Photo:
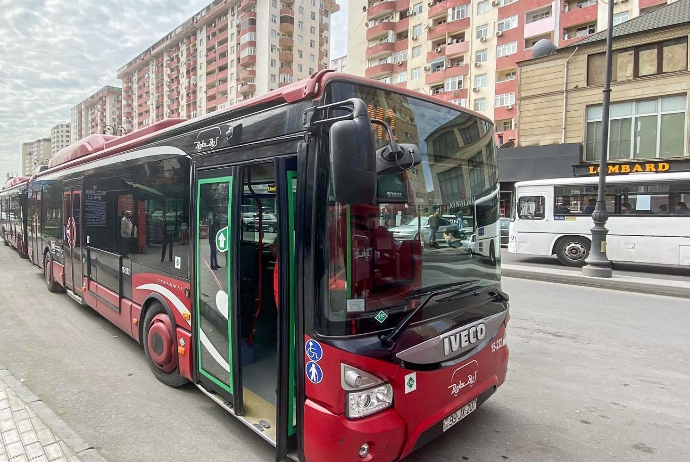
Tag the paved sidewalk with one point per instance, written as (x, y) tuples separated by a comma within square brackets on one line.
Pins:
[(656, 286), (31, 432)]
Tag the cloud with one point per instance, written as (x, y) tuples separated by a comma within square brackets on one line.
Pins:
[(55, 53)]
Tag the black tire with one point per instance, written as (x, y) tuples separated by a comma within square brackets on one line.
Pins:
[(171, 378), (572, 250), (51, 283)]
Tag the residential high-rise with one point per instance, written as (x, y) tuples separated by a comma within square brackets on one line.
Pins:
[(99, 113), (339, 64), (229, 51), (59, 137), (466, 51), (34, 155)]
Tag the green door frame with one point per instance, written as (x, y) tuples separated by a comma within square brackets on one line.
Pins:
[(205, 374)]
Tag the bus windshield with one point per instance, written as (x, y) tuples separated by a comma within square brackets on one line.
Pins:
[(441, 229)]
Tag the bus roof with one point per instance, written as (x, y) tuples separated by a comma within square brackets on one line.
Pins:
[(16, 181), (97, 146), (610, 179)]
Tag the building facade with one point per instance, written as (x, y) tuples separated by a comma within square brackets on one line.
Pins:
[(229, 51), (34, 155), (560, 103), (59, 137), (99, 113), (339, 64), (466, 51)]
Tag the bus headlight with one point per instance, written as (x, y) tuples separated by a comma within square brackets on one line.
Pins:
[(364, 393), (367, 402)]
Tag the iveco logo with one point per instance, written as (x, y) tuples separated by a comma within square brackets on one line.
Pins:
[(463, 338)]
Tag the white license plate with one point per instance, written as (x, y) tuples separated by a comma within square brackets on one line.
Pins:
[(457, 416)]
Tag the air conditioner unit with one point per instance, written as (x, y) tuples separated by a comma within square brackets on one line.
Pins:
[(427, 68), (430, 4), (509, 107), (415, 37), (477, 64), (494, 3), (475, 89), (499, 33), (438, 49), (482, 39)]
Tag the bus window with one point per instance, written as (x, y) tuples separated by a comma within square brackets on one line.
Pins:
[(531, 207)]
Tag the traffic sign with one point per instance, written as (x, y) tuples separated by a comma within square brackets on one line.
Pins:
[(222, 242)]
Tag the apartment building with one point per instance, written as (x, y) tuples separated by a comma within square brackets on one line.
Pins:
[(466, 51), (34, 155), (59, 137), (339, 64), (99, 113), (229, 51)]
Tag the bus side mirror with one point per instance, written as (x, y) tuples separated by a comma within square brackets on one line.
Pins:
[(353, 160)]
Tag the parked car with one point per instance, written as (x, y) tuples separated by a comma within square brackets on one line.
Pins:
[(250, 222), (505, 231), (420, 226)]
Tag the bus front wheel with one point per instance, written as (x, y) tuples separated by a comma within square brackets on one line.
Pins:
[(572, 250), (160, 346)]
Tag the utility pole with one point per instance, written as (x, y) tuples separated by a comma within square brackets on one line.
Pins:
[(598, 264)]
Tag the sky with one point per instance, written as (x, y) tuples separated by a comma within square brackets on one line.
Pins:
[(56, 53)]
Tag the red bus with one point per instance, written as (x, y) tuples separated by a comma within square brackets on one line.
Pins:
[(13, 219), (245, 251)]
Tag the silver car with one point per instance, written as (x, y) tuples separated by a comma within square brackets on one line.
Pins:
[(420, 226)]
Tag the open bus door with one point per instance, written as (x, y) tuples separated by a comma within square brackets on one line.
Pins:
[(245, 330), (72, 245)]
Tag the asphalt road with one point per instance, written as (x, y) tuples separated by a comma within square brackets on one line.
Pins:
[(678, 273), (594, 375)]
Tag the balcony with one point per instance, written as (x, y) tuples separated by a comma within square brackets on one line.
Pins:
[(448, 28), (246, 74), (286, 71), (222, 61), (248, 44), (286, 42), (505, 136), (456, 49), (380, 50), (506, 86), (287, 27), (575, 15), (502, 112), (285, 56), (248, 60), (452, 94), (379, 70), (441, 8), (441, 75), (222, 35), (380, 9), (543, 26), (380, 30), (648, 3), (211, 78), (247, 88), (247, 15), (247, 5)]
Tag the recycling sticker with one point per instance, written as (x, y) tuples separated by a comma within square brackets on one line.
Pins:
[(222, 242)]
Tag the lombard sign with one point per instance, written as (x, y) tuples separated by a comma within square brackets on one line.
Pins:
[(623, 168)]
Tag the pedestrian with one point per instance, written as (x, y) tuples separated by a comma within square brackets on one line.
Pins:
[(168, 231), (212, 231), (386, 217), (434, 223), (626, 208), (590, 208), (126, 231)]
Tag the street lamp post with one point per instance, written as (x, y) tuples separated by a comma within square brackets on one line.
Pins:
[(598, 264)]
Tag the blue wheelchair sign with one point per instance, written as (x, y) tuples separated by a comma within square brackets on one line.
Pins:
[(314, 372), (313, 350)]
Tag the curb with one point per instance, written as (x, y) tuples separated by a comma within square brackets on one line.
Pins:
[(623, 283), (84, 451)]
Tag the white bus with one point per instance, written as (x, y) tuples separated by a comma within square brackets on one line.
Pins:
[(649, 219)]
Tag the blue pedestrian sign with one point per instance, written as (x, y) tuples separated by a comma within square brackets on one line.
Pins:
[(314, 372), (313, 350)]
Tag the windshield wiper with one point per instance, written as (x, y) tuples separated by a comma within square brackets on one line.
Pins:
[(389, 339)]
